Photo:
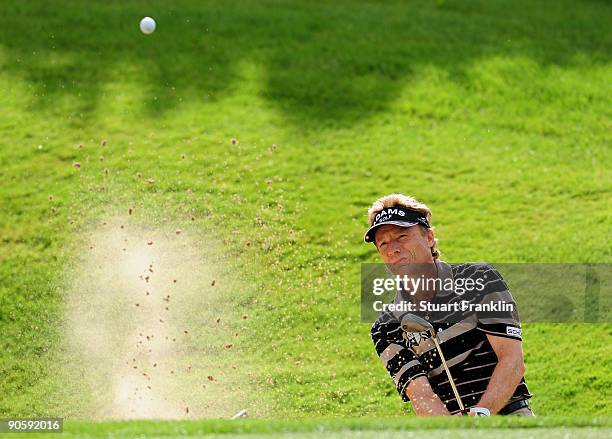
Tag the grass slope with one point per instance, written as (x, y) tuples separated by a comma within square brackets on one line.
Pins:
[(495, 113)]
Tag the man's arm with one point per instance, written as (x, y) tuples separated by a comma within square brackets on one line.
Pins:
[(506, 375), (503, 330), (405, 368), (424, 401)]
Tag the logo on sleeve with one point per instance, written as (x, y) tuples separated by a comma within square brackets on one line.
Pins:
[(511, 330)]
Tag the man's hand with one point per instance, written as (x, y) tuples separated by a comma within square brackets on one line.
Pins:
[(479, 411), (424, 401), (506, 375)]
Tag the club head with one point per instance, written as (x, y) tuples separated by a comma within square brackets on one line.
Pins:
[(414, 323)]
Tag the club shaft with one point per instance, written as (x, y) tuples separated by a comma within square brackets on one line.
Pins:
[(450, 378)]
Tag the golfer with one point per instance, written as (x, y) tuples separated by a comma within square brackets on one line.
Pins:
[(482, 350)]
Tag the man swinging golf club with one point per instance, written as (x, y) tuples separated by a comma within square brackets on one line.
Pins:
[(452, 343)]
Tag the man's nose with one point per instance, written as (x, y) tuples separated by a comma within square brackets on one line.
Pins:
[(393, 247)]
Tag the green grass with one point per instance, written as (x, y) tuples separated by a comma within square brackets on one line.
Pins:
[(583, 427), (497, 114)]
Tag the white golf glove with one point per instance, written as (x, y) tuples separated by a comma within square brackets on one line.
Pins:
[(480, 411)]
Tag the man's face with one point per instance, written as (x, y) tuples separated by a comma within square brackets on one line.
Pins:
[(404, 245)]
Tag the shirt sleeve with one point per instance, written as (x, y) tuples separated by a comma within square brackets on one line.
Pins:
[(398, 358), (501, 317)]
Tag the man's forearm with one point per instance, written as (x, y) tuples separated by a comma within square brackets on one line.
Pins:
[(506, 377), (430, 406), (424, 401)]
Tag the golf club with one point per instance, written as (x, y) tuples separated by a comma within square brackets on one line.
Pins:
[(414, 323)]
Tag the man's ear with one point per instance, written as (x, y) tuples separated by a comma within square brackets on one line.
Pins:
[(431, 238)]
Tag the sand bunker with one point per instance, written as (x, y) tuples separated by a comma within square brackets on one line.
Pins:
[(151, 328)]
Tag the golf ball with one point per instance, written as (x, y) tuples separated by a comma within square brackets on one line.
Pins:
[(147, 25)]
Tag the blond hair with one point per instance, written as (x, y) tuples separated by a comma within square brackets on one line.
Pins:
[(407, 202)]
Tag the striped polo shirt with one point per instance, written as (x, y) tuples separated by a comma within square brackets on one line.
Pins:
[(463, 340)]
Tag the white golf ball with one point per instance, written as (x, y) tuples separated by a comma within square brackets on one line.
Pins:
[(147, 25)]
